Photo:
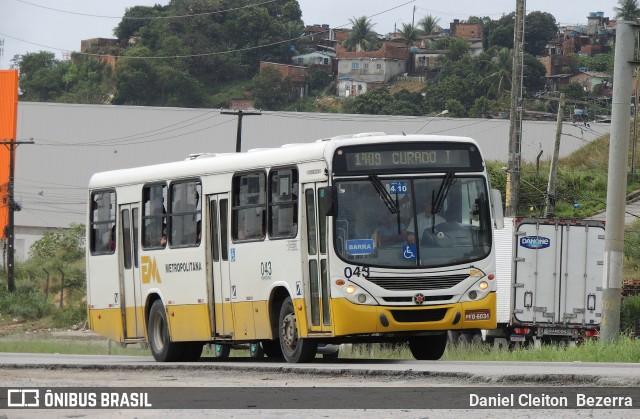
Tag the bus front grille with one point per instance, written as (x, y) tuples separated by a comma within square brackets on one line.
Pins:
[(405, 283), (413, 316)]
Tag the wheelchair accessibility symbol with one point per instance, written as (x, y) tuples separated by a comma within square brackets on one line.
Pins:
[(409, 251)]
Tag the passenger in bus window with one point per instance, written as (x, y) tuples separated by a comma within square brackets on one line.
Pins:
[(112, 239), (163, 239), (426, 219), (390, 231)]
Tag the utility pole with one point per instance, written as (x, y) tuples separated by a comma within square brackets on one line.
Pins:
[(240, 114), (515, 115), (553, 170), (635, 126), (13, 207), (617, 181)]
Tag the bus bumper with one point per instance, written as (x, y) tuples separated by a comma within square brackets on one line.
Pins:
[(366, 319)]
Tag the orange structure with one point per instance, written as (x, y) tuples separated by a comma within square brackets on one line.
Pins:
[(8, 124)]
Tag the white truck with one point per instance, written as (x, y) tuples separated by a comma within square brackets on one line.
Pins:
[(549, 273)]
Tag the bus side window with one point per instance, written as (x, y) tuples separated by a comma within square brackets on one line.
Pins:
[(154, 216), (185, 215), (283, 203), (103, 222), (248, 210)]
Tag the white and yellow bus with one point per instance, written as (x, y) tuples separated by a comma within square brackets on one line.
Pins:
[(296, 246)]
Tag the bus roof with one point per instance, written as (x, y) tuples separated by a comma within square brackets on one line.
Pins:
[(209, 163)]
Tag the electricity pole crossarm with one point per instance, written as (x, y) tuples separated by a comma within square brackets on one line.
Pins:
[(12, 206), (240, 114)]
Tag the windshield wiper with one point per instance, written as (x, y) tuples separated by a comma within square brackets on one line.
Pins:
[(384, 194), (442, 192)]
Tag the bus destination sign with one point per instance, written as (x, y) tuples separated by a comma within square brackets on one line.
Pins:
[(407, 157)]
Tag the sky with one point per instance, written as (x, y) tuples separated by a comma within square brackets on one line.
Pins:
[(31, 25)]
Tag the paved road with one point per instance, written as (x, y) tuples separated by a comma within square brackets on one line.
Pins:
[(388, 380), (575, 373), (631, 214)]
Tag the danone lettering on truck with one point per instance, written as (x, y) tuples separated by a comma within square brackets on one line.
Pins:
[(535, 242)]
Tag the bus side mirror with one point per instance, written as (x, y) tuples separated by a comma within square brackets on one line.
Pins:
[(496, 204), (330, 196)]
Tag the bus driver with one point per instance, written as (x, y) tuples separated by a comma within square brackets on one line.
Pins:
[(426, 219)]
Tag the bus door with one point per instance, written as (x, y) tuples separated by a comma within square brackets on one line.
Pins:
[(130, 286), (220, 300), (316, 274)]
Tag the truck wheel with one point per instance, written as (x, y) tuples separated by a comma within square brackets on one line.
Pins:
[(294, 349), (428, 347), (162, 349)]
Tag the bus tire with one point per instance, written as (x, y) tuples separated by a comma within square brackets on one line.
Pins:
[(272, 349), (294, 349), (221, 351), (162, 349), (192, 351), (256, 351), (428, 347)]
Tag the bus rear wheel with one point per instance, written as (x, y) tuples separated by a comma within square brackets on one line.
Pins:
[(294, 348), (428, 347), (162, 349)]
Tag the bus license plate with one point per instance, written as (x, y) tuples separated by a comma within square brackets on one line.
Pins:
[(477, 315), (517, 338)]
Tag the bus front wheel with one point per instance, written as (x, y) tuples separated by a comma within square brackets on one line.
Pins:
[(294, 348), (162, 349), (428, 347)]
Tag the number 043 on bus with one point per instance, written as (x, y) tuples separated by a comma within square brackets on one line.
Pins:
[(363, 238)]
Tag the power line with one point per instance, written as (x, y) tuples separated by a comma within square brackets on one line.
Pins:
[(207, 54), (150, 17)]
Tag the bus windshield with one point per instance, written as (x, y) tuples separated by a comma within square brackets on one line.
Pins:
[(432, 221)]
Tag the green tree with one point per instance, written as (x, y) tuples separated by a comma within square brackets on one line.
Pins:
[(409, 33), (135, 80), (60, 248), (429, 25), (133, 20), (534, 74), (598, 62), (41, 76), (539, 28), (627, 10), (574, 90), (362, 35), (499, 66), (270, 89), (455, 108), (373, 102), (458, 48)]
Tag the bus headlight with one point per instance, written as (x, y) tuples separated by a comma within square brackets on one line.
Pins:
[(354, 293), (480, 288)]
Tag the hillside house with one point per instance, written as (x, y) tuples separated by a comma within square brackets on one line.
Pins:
[(296, 74), (359, 71)]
